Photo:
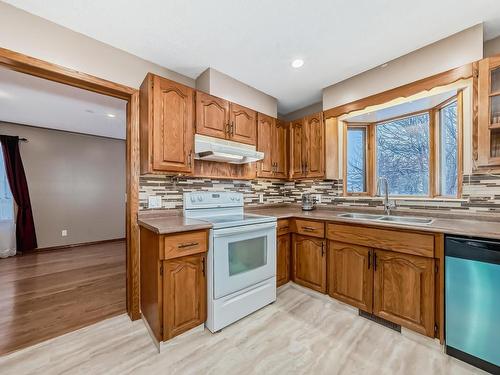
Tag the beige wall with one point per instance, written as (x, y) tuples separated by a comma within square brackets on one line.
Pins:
[(492, 47), (76, 182), (302, 112), (26, 33), (219, 84), (454, 51)]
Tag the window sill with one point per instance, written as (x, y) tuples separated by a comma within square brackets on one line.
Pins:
[(416, 199)]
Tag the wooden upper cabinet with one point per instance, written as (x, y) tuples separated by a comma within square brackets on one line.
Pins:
[(350, 274), (309, 262), (166, 126), (212, 115), (280, 149), (265, 129), (488, 131), (184, 289), (404, 290), (297, 149), (315, 146), (243, 124)]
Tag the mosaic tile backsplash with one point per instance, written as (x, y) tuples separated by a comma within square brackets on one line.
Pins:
[(480, 193)]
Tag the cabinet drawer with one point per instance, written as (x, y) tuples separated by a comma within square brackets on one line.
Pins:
[(387, 239), (283, 227), (308, 228), (179, 245)]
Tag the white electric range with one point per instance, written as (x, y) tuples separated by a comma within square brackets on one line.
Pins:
[(241, 266)]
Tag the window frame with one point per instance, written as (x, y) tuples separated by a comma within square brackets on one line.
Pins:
[(368, 159), (434, 189)]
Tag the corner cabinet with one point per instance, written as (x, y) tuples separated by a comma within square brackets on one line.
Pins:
[(173, 282), (272, 140), (488, 131), (166, 126), (307, 147)]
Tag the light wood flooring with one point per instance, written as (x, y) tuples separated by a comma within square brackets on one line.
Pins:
[(301, 333), (47, 294)]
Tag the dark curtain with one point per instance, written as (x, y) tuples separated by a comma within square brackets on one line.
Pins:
[(25, 226)]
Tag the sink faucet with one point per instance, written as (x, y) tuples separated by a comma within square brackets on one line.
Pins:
[(388, 205)]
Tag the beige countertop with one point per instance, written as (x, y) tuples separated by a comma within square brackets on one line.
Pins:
[(165, 222)]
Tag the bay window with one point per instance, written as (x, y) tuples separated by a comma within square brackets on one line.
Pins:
[(419, 153)]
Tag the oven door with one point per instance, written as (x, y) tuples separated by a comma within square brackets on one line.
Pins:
[(243, 256)]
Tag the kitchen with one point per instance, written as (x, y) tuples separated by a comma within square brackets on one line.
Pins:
[(289, 233)]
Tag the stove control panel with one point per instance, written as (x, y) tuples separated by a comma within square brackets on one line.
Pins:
[(212, 199)]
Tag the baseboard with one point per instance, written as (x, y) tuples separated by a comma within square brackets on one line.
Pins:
[(70, 246)]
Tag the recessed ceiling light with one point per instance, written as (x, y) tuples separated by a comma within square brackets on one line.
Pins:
[(297, 63), (111, 115)]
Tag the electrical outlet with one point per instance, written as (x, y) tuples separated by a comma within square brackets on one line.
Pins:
[(318, 198), (154, 201), (261, 198), (64, 232)]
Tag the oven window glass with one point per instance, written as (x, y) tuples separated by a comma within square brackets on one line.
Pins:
[(247, 255)]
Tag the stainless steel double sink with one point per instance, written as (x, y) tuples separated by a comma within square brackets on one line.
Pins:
[(387, 218)]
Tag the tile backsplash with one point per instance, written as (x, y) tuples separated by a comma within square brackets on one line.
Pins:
[(481, 193)]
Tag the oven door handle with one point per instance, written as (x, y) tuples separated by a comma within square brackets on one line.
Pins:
[(224, 232)]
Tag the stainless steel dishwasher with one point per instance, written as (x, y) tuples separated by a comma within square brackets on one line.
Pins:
[(472, 301)]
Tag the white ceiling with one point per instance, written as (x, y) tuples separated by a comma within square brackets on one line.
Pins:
[(403, 108), (29, 100), (255, 41)]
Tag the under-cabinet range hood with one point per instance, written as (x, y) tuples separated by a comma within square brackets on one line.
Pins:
[(220, 150)]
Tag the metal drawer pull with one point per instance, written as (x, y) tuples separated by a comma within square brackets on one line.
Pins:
[(188, 244), (308, 229), (283, 227)]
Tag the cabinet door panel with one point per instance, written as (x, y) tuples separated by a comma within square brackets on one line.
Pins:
[(283, 260), (280, 155), (309, 262), (315, 149), (297, 146), (266, 126), (212, 115), (350, 274), (404, 290), (184, 288), (172, 126), (243, 124)]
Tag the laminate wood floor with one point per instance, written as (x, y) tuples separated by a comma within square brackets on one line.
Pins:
[(47, 294), (301, 333)]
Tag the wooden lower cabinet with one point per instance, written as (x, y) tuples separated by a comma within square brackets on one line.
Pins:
[(184, 294), (350, 274), (309, 262), (283, 259), (403, 290), (173, 281)]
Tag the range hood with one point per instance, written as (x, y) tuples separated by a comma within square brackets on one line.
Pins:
[(220, 150)]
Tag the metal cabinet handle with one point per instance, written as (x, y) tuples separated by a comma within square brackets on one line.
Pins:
[(203, 265), (190, 156), (322, 249), (187, 244), (308, 229), (232, 128), (374, 261), (369, 259)]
